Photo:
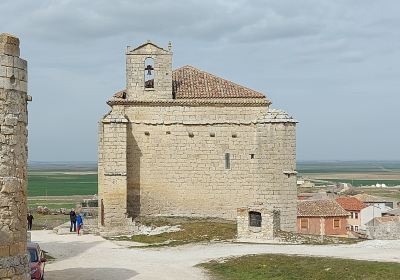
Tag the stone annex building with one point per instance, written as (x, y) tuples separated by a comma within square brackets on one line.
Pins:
[(187, 143)]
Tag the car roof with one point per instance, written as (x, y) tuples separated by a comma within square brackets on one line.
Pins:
[(33, 245)]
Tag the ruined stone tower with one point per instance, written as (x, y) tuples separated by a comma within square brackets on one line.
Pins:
[(13, 161)]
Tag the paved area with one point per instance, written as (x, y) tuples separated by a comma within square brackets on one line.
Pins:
[(91, 257)]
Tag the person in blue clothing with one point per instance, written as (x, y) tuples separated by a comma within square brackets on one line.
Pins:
[(79, 223)]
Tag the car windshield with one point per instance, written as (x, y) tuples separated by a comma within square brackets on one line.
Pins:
[(33, 255)]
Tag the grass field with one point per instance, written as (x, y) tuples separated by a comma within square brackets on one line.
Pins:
[(48, 221), (359, 182), (280, 267), (192, 230), (55, 183), (66, 179), (51, 204), (380, 167), (355, 173)]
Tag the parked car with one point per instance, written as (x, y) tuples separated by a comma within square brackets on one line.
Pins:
[(37, 261)]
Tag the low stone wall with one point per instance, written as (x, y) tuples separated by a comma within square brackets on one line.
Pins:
[(384, 231), (298, 238)]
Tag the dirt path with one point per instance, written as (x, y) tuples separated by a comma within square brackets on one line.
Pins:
[(90, 257)]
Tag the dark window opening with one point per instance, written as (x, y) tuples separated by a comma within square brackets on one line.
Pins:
[(149, 74), (102, 213), (12, 80), (252, 156), (255, 219), (227, 161)]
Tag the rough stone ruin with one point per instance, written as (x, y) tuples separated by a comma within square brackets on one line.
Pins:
[(14, 263), (257, 223)]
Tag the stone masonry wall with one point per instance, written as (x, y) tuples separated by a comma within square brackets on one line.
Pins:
[(135, 73), (176, 161), (112, 166), (384, 231), (13, 161)]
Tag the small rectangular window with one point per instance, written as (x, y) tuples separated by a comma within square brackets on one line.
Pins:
[(254, 219), (336, 223), (227, 161), (304, 223), (355, 215), (356, 228)]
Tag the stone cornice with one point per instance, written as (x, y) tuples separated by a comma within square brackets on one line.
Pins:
[(233, 102)]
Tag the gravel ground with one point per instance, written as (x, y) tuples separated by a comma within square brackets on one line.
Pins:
[(90, 257)]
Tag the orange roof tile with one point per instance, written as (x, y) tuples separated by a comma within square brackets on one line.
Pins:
[(192, 83), (350, 203)]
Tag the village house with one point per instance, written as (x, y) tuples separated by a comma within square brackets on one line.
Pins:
[(321, 217), (354, 206), (367, 214), (385, 203), (185, 142)]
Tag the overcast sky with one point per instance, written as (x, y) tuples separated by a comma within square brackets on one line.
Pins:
[(333, 65)]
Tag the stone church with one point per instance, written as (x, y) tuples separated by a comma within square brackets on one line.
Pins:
[(185, 142)]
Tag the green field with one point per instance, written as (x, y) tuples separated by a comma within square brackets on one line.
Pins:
[(358, 183), (280, 267), (348, 167), (51, 183)]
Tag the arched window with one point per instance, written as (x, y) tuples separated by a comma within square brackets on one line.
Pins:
[(149, 73)]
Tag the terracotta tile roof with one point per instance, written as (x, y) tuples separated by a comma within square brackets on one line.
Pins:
[(192, 83), (320, 208), (120, 94), (350, 203)]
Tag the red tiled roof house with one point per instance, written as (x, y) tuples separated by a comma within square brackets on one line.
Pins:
[(321, 217), (354, 206)]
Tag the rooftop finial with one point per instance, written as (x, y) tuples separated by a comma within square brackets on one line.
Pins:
[(169, 45)]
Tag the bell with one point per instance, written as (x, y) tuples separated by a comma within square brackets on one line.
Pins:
[(149, 68)]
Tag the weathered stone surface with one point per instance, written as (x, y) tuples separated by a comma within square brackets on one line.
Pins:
[(9, 44), (269, 223), (13, 160)]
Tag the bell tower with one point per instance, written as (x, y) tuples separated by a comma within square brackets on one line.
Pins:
[(149, 72)]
